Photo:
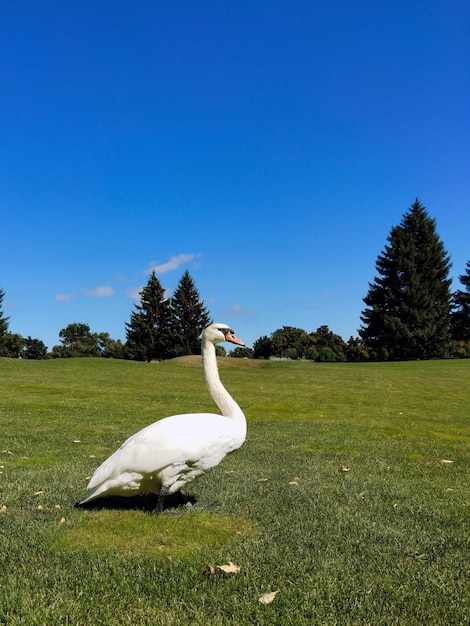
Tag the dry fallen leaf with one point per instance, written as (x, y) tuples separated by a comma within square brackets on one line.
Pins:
[(267, 598), (293, 482), (262, 480), (38, 493), (3, 508), (62, 520), (345, 468), (231, 568), (92, 456), (76, 440), (210, 570), (446, 462)]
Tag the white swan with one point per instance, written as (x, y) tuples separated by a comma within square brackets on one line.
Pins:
[(166, 455)]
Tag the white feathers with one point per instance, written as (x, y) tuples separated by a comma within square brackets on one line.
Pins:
[(171, 452)]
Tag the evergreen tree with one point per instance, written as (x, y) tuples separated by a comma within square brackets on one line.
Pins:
[(408, 314), (148, 332), (461, 313), (3, 319), (189, 317)]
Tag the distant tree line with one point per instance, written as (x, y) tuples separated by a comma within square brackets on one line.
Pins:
[(160, 327), (410, 313), (321, 345)]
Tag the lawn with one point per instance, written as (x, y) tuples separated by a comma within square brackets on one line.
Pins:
[(350, 497)]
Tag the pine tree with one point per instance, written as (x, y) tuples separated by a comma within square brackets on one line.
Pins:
[(189, 317), (3, 320), (461, 313), (148, 332), (408, 314)]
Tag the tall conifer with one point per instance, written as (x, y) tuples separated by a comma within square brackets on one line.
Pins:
[(189, 317), (3, 319), (461, 313), (147, 331), (408, 304)]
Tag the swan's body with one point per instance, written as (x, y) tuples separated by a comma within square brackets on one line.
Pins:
[(166, 455)]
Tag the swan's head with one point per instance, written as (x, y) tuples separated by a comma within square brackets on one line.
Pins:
[(216, 333)]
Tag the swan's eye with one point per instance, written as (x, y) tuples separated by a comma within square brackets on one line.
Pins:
[(226, 330)]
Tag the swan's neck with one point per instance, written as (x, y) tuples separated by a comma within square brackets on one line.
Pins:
[(220, 395)]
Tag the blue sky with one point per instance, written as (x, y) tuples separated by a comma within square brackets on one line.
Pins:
[(266, 146)]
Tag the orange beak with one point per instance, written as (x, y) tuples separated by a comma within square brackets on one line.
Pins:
[(231, 337)]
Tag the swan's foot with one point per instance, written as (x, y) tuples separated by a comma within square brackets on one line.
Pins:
[(161, 499)]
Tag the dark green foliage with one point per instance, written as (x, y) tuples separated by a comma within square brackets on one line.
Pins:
[(294, 343), (110, 348), (262, 348), (356, 350), (34, 349), (290, 343), (148, 332), (162, 328), (11, 345), (408, 304), (189, 317), (326, 355), (77, 341), (461, 313), (331, 347), (3, 320), (311, 354), (242, 353)]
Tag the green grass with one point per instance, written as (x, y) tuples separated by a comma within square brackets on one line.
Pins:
[(339, 498)]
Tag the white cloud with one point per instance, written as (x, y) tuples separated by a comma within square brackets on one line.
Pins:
[(100, 292), (134, 292), (236, 310), (173, 264), (64, 297)]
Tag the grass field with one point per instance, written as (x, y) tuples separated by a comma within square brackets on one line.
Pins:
[(350, 497)]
